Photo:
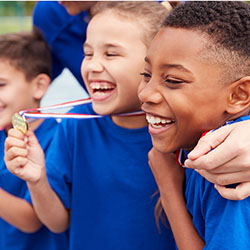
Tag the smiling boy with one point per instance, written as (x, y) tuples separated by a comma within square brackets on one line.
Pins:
[(196, 79), (25, 66)]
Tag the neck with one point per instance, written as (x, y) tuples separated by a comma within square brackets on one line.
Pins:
[(131, 122)]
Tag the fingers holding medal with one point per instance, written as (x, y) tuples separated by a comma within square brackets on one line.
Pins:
[(19, 123)]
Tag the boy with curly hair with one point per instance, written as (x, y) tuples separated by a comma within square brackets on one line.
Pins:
[(197, 79)]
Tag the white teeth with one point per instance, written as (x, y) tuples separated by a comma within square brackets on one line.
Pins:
[(157, 122), (100, 93), (100, 86)]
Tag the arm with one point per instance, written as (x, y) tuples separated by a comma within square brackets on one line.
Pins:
[(24, 158), (18, 213), (228, 162), (170, 177)]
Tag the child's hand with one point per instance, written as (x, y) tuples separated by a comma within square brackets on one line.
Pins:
[(167, 172), (24, 156)]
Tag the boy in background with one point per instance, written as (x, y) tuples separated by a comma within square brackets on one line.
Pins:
[(65, 31), (25, 67)]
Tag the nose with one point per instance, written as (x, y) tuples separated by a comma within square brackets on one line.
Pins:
[(149, 93), (93, 64)]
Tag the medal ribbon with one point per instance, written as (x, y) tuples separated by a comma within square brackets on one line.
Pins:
[(181, 154), (32, 113)]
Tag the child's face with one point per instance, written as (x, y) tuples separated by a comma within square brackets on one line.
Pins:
[(114, 57), (15, 93), (181, 93)]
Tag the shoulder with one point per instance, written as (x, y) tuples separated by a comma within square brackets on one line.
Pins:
[(57, 14), (214, 216), (58, 20)]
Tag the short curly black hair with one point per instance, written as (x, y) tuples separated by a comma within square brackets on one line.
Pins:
[(226, 24)]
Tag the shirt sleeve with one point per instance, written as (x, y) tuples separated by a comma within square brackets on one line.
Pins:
[(227, 222)]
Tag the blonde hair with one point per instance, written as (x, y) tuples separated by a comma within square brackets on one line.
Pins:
[(149, 14)]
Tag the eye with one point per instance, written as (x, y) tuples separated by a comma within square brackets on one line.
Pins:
[(2, 84), (88, 54), (111, 54), (146, 76), (173, 81)]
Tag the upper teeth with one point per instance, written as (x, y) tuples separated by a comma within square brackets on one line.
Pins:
[(155, 120), (97, 85)]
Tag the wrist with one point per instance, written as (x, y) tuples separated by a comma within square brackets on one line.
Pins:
[(39, 182), (172, 191)]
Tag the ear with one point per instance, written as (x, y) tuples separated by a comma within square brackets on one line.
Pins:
[(40, 85), (239, 98)]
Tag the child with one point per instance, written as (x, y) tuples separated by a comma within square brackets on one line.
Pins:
[(24, 78), (64, 33), (99, 180), (196, 79), (66, 44)]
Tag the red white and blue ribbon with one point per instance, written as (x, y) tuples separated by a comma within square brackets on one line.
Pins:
[(181, 154), (36, 114)]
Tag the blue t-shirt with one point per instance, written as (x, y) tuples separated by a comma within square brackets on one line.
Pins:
[(107, 184), (10, 237), (65, 35), (221, 223)]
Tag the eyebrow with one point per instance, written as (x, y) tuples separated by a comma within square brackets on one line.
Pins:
[(177, 66), (108, 45)]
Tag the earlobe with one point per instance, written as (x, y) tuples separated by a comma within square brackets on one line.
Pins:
[(239, 98), (41, 84)]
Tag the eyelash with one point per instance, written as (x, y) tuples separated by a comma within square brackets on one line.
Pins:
[(87, 54), (110, 54), (147, 77), (173, 81), (106, 54)]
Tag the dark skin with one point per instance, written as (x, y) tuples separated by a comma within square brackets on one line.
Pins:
[(176, 80)]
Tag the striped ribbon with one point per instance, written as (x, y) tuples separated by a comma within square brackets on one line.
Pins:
[(33, 114)]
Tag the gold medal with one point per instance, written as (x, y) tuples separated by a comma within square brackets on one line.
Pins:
[(19, 123)]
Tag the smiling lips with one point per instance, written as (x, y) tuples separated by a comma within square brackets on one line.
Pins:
[(101, 90), (158, 122)]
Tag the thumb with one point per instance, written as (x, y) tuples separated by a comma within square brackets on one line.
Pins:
[(210, 141), (31, 138)]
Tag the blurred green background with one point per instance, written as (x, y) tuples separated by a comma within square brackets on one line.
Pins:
[(15, 16)]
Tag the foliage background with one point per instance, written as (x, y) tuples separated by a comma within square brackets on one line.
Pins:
[(15, 15)]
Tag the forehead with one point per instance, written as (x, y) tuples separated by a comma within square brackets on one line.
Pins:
[(109, 25), (177, 45)]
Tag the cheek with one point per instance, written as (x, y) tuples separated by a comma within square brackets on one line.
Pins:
[(142, 85), (83, 69)]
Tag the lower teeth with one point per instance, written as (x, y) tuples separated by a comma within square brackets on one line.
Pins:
[(157, 126)]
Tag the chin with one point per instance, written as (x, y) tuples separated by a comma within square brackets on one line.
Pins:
[(162, 147), (100, 110)]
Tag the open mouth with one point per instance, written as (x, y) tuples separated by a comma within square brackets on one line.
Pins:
[(158, 122), (102, 88)]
